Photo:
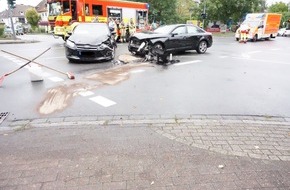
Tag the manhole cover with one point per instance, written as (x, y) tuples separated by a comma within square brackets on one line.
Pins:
[(3, 115)]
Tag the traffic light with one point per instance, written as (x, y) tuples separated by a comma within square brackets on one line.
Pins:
[(11, 3), (203, 15)]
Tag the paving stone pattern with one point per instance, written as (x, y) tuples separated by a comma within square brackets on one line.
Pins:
[(122, 152)]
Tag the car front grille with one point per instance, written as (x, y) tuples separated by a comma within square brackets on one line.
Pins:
[(87, 47)]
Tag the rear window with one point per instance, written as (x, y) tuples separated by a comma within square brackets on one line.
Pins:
[(92, 29)]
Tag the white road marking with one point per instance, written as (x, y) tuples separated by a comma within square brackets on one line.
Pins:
[(253, 52), (223, 56), (46, 74), (246, 56), (187, 63), (103, 101), (56, 79), (261, 60), (275, 49), (86, 93), (137, 71)]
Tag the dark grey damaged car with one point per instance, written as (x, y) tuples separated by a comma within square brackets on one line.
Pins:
[(170, 39), (90, 42)]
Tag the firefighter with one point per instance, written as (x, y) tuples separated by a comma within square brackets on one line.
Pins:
[(244, 31), (117, 30), (132, 27), (112, 24), (122, 32)]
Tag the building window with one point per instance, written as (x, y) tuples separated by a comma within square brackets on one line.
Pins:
[(97, 10)]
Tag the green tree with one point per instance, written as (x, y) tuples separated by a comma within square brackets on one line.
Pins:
[(285, 21), (278, 8), (32, 17), (187, 9), (223, 10)]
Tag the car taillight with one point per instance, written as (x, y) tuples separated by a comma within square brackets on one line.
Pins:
[(59, 23)]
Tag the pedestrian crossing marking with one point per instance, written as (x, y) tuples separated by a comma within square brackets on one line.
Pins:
[(86, 93), (103, 101), (56, 79), (187, 63)]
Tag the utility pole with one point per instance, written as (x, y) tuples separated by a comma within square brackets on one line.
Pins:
[(11, 5)]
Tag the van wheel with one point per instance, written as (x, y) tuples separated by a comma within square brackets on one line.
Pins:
[(255, 38)]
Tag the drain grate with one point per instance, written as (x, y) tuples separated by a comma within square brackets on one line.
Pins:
[(3, 115)]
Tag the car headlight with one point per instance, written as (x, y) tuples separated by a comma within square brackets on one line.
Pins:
[(103, 46), (70, 44)]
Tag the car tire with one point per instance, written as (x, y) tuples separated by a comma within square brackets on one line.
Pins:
[(237, 39), (202, 47), (162, 56), (157, 46)]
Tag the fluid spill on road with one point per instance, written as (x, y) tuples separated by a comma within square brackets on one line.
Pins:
[(59, 98), (116, 75)]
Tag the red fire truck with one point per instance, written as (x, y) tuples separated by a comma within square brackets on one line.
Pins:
[(65, 14)]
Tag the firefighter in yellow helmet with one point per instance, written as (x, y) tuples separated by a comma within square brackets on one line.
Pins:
[(244, 31), (122, 32), (132, 27)]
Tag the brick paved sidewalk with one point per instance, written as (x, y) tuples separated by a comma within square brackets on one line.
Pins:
[(146, 152)]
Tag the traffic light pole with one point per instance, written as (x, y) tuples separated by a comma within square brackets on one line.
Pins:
[(11, 21), (204, 8)]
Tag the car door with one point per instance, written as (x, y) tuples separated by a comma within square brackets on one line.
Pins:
[(177, 39), (193, 37)]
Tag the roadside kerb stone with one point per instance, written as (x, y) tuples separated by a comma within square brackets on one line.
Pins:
[(257, 138)]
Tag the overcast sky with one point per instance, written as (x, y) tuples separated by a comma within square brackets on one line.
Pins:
[(3, 3)]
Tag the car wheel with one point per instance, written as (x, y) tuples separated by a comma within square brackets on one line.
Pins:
[(238, 39), (202, 47), (158, 48)]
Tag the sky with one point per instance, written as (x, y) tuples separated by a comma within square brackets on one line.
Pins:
[(3, 3)]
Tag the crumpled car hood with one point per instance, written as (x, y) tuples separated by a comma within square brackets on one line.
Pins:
[(149, 35)]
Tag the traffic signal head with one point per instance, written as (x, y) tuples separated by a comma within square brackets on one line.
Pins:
[(203, 15), (11, 3)]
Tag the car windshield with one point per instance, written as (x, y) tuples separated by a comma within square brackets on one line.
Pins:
[(164, 29), (92, 29), (252, 23)]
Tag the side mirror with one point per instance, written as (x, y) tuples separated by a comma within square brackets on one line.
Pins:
[(174, 34), (69, 33)]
